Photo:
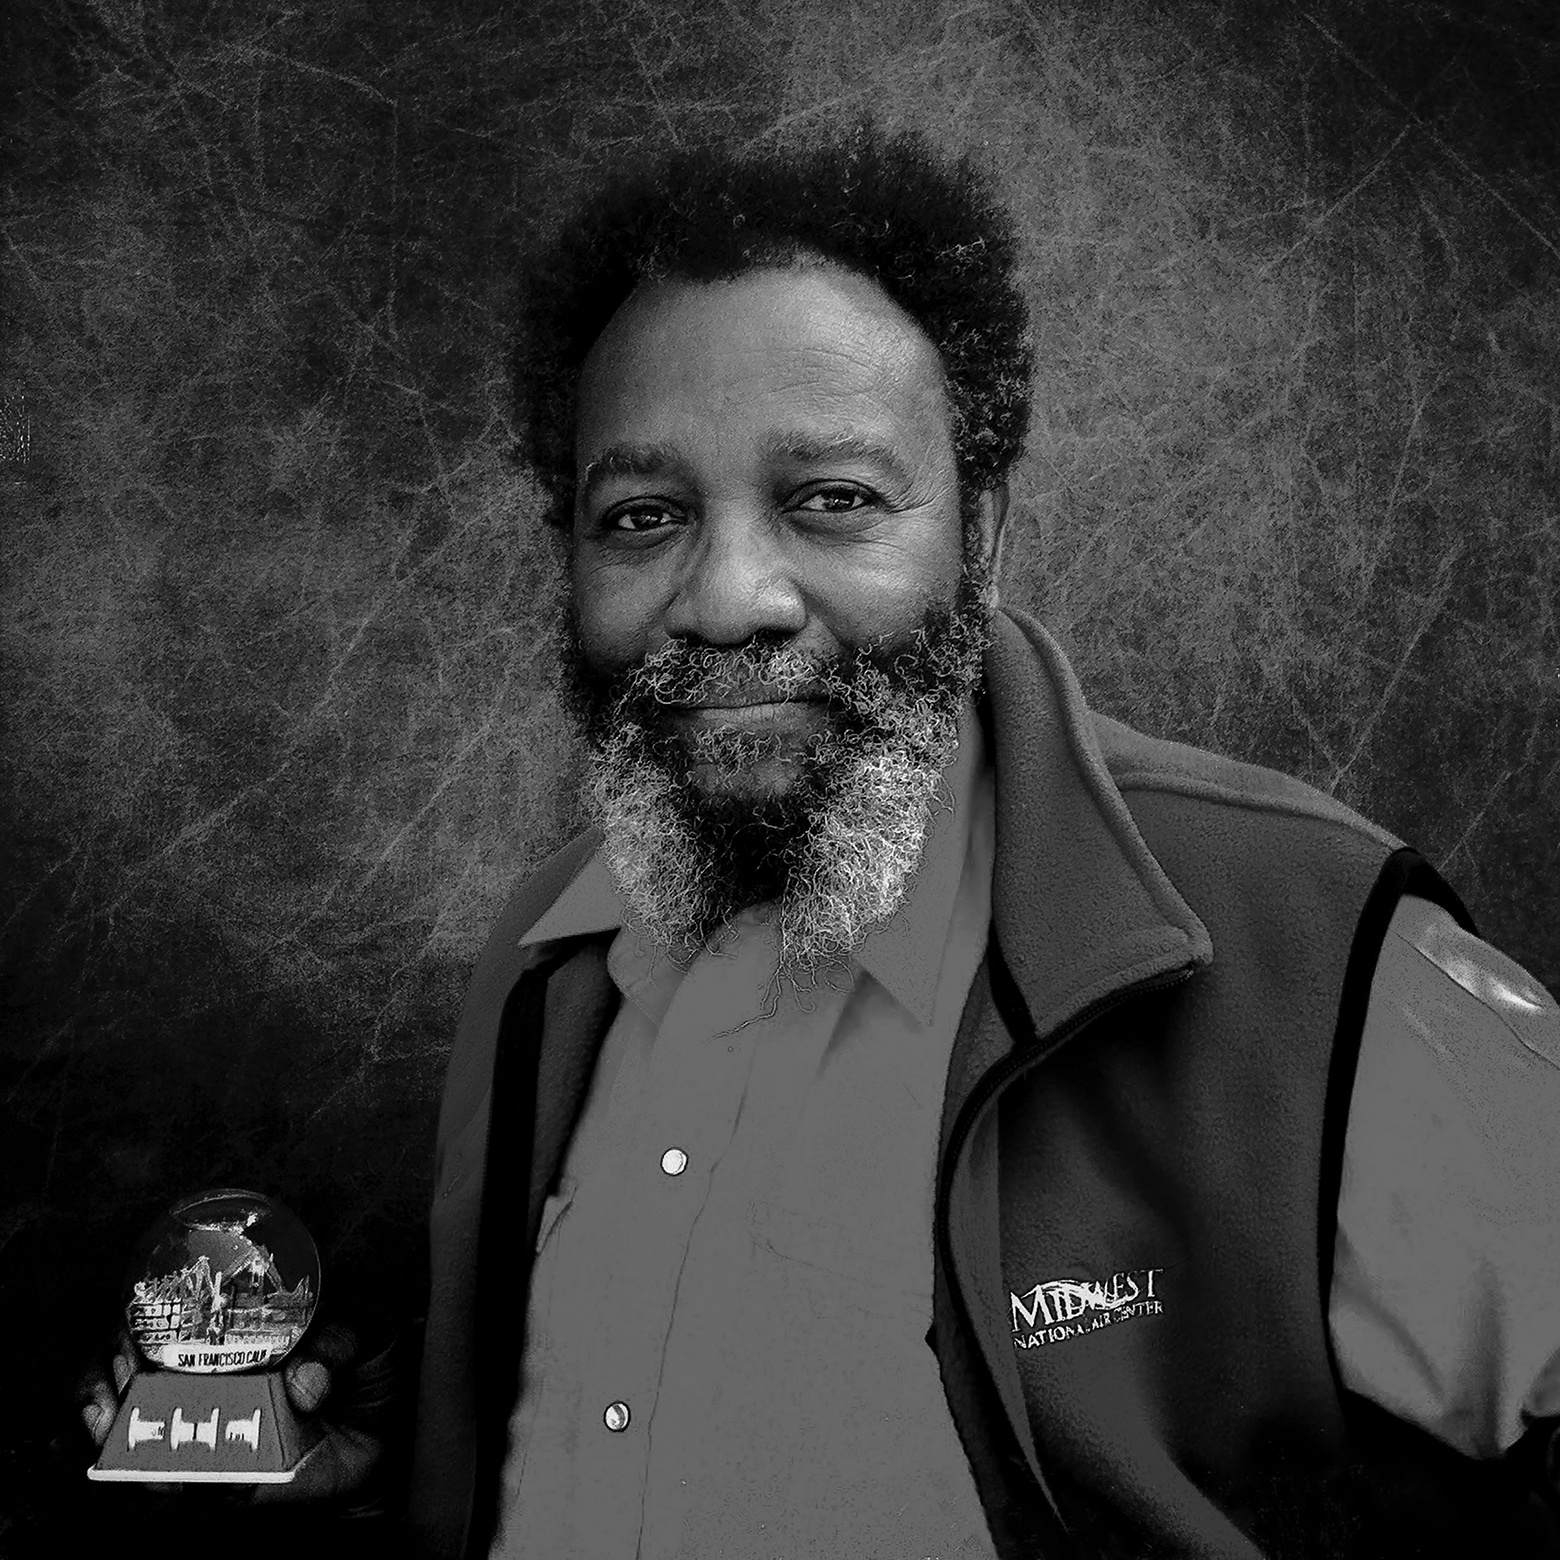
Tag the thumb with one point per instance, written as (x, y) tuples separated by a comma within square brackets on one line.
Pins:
[(308, 1384)]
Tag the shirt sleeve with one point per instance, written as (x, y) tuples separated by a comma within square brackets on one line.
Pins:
[(1445, 1305)]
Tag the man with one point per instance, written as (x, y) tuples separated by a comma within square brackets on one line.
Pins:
[(1095, 1164), (919, 1116)]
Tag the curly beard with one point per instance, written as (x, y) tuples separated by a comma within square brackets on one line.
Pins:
[(693, 835)]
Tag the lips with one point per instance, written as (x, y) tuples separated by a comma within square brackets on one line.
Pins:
[(758, 701), (757, 713), (746, 698)]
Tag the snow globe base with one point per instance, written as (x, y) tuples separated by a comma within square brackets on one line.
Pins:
[(175, 1428)]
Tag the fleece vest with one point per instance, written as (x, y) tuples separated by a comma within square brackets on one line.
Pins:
[(1176, 1149), (1149, 1088)]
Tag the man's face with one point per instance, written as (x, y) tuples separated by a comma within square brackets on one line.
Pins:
[(768, 508)]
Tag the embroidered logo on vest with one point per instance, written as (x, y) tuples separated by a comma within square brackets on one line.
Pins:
[(1063, 1308)]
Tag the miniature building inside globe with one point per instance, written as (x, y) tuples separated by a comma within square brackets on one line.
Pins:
[(227, 1280)]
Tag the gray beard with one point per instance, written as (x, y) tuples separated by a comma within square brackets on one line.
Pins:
[(691, 842)]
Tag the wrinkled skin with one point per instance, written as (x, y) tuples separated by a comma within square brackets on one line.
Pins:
[(768, 494)]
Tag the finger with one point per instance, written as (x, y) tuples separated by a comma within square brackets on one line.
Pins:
[(99, 1411), (308, 1374), (338, 1465), (334, 1343), (88, 1383), (308, 1384), (126, 1361)]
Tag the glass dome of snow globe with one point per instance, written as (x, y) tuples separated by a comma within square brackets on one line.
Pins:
[(226, 1280)]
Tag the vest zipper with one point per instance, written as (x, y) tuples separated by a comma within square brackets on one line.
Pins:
[(1028, 1051)]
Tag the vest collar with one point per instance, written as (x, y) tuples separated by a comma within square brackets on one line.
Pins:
[(1080, 906)]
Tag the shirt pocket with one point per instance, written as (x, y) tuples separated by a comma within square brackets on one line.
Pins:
[(831, 1267)]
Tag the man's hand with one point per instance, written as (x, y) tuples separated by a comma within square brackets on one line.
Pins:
[(326, 1378), (349, 1400), (99, 1395)]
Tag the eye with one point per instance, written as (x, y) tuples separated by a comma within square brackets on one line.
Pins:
[(641, 515), (835, 498)]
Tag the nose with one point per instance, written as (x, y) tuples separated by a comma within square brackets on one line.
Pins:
[(738, 581)]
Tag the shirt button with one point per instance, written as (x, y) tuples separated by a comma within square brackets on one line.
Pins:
[(674, 1161), (616, 1416)]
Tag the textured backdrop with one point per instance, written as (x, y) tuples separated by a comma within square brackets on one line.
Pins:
[(278, 722)]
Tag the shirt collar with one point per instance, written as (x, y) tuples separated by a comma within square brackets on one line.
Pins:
[(905, 955)]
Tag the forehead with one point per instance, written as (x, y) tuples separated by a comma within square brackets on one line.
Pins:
[(818, 347)]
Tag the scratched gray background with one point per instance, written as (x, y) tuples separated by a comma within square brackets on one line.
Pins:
[(278, 730)]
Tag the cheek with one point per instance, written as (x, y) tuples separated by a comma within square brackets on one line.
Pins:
[(918, 562), (607, 612), (886, 603)]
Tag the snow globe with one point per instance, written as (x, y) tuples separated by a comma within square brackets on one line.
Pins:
[(218, 1293)]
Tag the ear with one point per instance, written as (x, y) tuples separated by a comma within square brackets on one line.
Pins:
[(993, 527)]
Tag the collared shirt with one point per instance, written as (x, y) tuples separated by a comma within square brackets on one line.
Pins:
[(738, 1260), (736, 1271)]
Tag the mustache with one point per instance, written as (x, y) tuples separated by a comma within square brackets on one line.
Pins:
[(679, 676), (857, 682)]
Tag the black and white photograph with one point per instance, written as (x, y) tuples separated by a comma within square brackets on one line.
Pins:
[(781, 779)]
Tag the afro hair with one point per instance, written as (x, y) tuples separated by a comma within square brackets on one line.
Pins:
[(931, 233)]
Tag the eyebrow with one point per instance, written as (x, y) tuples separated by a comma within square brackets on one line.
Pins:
[(811, 449), (629, 460), (650, 460)]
